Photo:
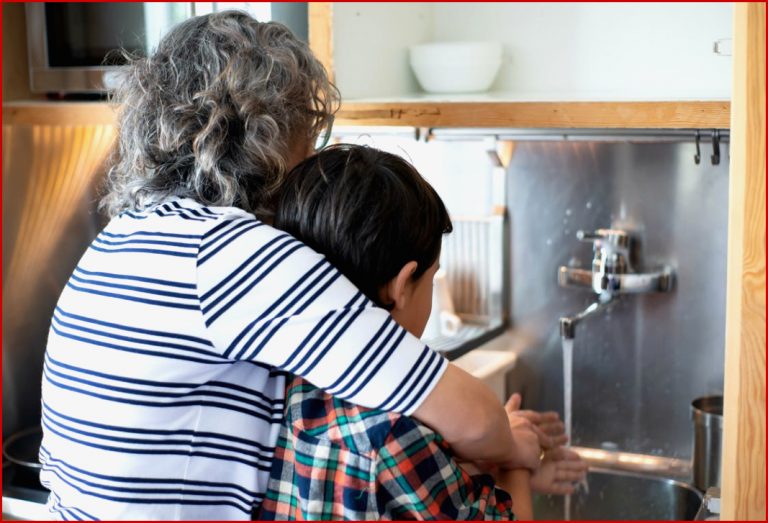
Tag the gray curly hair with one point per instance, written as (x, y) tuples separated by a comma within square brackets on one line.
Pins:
[(213, 114)]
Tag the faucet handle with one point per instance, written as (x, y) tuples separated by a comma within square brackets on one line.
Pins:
[(586, 236), (611, 251), (615, 237)]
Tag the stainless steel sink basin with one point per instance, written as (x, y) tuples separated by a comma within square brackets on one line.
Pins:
[(624, 495)]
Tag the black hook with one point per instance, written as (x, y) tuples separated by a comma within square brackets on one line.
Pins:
[(697, 156), (716, 147)]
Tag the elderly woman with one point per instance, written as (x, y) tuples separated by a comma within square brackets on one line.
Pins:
[(163, 387)]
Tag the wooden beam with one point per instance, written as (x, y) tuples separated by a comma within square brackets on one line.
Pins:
[(643, 115), (743, 466), (321, 34)]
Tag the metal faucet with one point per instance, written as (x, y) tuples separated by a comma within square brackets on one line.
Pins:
[(611, 269), (568, 323), (611, 275)]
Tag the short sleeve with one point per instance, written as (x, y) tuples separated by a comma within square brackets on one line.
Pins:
[(267, 298), (417, 479)]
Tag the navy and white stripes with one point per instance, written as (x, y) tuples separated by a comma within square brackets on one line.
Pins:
[(163, 383)]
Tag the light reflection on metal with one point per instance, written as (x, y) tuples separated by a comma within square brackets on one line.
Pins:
[(65, 161), (51, 175), (645, 463)]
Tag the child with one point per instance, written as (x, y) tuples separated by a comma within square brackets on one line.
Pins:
[(381, 224)]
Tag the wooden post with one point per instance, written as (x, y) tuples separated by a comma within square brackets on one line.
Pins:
[(321, 34), (743, 466)]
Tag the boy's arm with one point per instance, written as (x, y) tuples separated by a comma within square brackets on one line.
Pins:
[(418, 479), (518, 483)]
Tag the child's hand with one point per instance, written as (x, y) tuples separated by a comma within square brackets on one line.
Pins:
[(551, 429), (560, 469)]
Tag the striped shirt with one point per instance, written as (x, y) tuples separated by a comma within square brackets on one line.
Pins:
[(164, 379)]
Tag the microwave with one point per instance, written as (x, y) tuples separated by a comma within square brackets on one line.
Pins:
[(72, 45)]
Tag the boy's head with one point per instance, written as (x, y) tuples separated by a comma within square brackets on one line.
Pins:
[(375, 218)]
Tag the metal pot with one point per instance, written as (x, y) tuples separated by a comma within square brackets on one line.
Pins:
[(707, 416), (23, 447)]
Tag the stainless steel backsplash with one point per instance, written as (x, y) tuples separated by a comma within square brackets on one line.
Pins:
[(636, 368)]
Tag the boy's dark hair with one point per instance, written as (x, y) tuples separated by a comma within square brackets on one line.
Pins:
[(368, 211)]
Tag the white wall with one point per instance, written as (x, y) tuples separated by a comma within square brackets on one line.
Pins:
[(460, 171), (370, 46)]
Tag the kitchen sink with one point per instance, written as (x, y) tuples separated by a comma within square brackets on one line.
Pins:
[(623, 495)]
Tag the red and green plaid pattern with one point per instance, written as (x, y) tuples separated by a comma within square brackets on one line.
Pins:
[(335, 460)]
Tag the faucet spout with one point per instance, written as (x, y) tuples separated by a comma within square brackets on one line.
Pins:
[(568, 323)]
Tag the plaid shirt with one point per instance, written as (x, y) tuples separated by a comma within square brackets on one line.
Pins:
[(335, 460)]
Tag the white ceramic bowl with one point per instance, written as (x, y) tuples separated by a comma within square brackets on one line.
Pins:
[(456, 67)]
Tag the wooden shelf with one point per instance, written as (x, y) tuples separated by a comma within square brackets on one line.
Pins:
[(425, 113), (521, 114)]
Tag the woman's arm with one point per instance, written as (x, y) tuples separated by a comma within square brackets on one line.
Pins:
[(469, 416), (266, 298)]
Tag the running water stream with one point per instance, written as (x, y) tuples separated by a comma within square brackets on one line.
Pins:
[(567, 391), (568, 413), (567, 384)]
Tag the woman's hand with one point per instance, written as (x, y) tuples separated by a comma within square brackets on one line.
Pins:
[(527, 443), (550, 429), (467, 413), (560, 470), (526, 451)]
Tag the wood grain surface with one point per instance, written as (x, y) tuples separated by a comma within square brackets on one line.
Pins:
[(321, 34), (743, 472), (647, 115)]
